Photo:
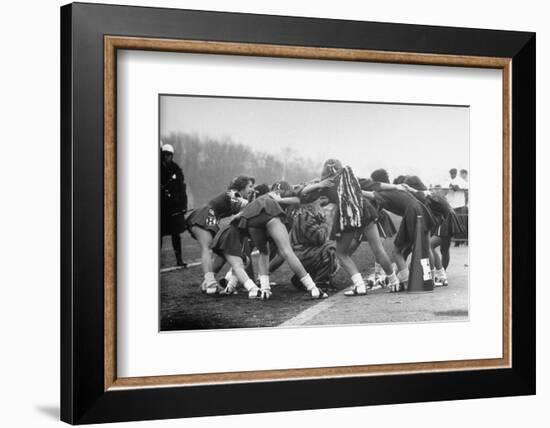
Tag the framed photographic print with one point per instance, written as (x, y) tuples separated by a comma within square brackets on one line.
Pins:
[(276, 213)]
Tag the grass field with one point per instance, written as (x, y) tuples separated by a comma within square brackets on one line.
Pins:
[(184, 307)]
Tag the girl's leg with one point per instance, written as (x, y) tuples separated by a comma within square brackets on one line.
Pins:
[(204, 238), (430, 251), (343, 247), (434, 243), (263, 264), (237, 266), (260, 238), (445, 253), (277, 231), (263, 270), (439, 274), (371, 232), (276, 263), (402, 269), (217, 263), (399, 259), (355, 243)]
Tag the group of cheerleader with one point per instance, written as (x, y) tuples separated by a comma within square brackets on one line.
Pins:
[(262, 217)]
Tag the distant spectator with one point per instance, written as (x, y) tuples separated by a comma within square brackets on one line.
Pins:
[(464, 176), (456, 196)]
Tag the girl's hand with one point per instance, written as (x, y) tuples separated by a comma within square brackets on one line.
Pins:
[(275, 196), (327, 182), (405, 188), (234, 216)]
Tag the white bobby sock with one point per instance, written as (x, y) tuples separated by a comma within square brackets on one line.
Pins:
[(249, 285), (209, 277), (231, 279), (264, 282), (357, 280), (308, 282)]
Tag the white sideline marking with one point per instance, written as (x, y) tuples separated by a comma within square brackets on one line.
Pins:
[(173, 268), (193, 264), (309, 313)]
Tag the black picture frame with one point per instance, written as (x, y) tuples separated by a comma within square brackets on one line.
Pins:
[(83, 396)]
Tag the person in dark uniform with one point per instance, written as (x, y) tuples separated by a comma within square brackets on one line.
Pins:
[(173, 200)]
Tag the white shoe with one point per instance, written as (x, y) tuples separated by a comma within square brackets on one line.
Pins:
[(254, 293), (213, 288), (265, 293), (317, 293), (440, 282), (394, 286), (371, 281), (356, 290), (229, 290), (379, 283)]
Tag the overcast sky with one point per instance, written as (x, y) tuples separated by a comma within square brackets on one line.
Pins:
[(404, 139)]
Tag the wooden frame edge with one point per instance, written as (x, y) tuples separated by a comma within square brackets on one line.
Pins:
[(507, 208), (112, 43), (301, 52), (109, 198), (303, 374)]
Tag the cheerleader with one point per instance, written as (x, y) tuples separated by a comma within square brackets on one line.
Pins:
[(405, 205), (262, 220), (203, 223), (447, 225), (228, 284), (354, 214), (309, 232)]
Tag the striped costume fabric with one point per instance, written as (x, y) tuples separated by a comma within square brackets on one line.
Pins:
[(350, 200), (309, 238)]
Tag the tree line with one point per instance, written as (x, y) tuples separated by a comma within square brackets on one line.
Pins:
[(209, 165)]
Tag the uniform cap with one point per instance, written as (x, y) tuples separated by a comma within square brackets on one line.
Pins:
[(168, 148)]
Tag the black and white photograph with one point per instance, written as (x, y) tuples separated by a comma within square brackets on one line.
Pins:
[(291, 212)]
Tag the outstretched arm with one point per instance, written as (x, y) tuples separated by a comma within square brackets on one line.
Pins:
[(288, 200), (402, 187), (326, 183)]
